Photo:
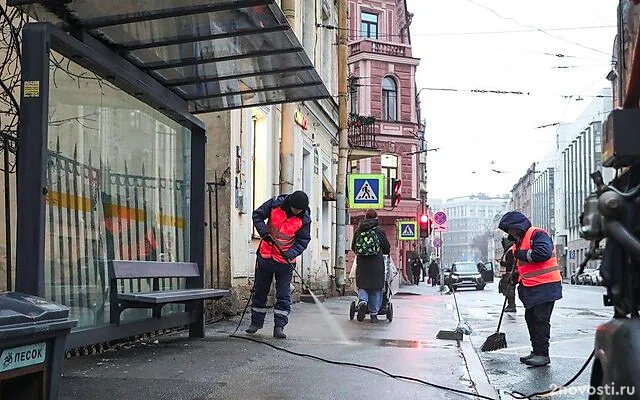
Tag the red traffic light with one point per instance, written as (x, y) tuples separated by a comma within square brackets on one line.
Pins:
[(396, 184), (425, 226)]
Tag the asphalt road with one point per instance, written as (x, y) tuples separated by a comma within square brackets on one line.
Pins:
[(573, 325)]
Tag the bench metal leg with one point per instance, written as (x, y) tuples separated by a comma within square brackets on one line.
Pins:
[(157, 312), (196, 329)]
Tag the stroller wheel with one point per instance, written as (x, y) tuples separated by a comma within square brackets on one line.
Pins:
[(352, 310), (390, 312)]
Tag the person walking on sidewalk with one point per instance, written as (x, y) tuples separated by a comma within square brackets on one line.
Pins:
[(434, 273), (505, 287), (288, 229), (539, 281), (370, 244), (416, 269)]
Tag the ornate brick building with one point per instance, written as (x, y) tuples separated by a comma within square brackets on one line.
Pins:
[(382, 83)]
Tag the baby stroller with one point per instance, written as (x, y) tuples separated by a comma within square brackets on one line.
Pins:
[(387, 307)]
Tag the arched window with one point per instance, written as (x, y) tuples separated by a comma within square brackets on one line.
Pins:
[(389, 99), (389, 164)]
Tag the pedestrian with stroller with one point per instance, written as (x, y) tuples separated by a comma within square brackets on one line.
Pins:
[(416, 269), (370, 244), (434, 273)]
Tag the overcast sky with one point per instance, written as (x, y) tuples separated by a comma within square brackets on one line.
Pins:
[(471, 130)]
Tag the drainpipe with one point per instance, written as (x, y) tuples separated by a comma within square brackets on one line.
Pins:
[(287, 139), (343, 147)]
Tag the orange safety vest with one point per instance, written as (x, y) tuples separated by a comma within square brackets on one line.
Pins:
[(283, 230), (535, 274)]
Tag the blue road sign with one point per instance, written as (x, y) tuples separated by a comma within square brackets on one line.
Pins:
[(365, 191)]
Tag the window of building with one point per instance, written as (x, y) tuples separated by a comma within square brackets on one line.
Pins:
[(389, 99), (390, 170), (353, 100), (369, 25), (353, 167)]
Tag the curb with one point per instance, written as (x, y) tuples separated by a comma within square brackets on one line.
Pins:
[(476, 371)]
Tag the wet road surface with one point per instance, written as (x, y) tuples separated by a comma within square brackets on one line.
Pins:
[(220, 367), (573, 325)]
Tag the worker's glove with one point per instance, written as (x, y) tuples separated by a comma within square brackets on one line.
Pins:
[(267, 238), (514, 278)]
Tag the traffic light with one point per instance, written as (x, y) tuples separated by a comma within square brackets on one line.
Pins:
[(395, 192), (425, 226)]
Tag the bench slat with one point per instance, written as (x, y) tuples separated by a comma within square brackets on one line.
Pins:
[(125, 269), (172, 296)]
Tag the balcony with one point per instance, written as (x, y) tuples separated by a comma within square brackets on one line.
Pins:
[(362, 137), (378, 47)]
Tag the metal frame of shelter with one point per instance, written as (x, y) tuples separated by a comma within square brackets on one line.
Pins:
[(261, 62)]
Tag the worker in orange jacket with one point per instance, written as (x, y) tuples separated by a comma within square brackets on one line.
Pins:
[(538, 278)]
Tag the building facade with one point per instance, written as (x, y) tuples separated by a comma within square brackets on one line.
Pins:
[(522, 194), (246, 166), (471, 227), (543, 213), (579, 147), (382, 70)]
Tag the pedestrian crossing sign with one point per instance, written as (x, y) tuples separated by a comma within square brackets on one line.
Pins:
[(407, 230), (366, 191)]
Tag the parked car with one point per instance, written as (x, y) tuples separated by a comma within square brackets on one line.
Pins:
[(574, 278), (593, 277), (582, 278)]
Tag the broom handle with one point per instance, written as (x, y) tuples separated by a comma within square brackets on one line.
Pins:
[(501, 314), (456, 302)]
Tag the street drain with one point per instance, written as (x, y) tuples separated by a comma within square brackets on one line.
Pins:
[(400, 294)]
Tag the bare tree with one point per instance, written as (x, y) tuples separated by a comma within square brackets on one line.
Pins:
[(481, 244)]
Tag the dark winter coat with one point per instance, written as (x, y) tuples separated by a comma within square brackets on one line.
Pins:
[(434, 270), (370, 270), (541, 250)]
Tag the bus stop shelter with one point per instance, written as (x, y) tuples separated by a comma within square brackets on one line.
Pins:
[(111, 158)]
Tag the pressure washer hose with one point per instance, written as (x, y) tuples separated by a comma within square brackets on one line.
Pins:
[(514, 394)]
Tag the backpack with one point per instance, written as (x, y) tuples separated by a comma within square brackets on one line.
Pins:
[(368, 243)]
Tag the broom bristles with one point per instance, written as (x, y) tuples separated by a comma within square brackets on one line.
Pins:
[(494, 342)]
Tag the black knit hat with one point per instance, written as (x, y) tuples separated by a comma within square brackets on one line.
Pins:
[(299, 200)]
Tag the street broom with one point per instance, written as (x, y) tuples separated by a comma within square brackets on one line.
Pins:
[(461, 329), (498, 340)]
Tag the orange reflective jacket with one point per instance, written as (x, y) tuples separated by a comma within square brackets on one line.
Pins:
[(537, 273), (283, 230)]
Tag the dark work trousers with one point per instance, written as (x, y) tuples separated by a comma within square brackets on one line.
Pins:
[(416, 277), (265, 271), (539, 323)]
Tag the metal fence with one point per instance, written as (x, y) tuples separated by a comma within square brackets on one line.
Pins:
[(7, 210), (94, 215)]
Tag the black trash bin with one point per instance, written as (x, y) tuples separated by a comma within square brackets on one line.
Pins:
[(33, 332)]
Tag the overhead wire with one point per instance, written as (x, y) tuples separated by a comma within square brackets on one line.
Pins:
[(546, 32)]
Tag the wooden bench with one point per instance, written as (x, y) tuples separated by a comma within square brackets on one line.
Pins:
[(193, 297)]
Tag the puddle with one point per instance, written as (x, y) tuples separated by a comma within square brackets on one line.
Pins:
[(403, 343), (400, 294)]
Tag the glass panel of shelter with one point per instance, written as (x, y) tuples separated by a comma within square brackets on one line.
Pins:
[(118, 178)]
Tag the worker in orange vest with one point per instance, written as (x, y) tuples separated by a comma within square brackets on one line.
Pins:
[(538, 278), (288, 229)]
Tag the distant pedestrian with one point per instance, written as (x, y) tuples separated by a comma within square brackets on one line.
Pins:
[(434, 273), (539, 281), (370, 244), (424, 269), (416, 269), (289, 230)]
